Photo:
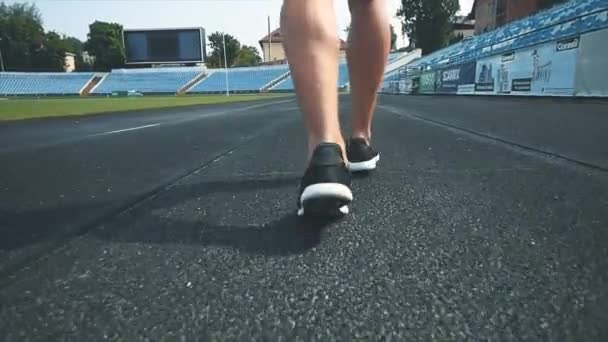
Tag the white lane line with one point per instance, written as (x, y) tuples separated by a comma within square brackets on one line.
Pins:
[(128, 129)]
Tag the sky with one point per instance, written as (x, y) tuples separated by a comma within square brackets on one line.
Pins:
[(247, 20)]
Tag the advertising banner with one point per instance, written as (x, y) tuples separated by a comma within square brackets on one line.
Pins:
[(427, 82), (547, 69), (591, 66), (485, 80), (452, 80)]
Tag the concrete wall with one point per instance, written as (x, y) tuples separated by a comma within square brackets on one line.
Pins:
[(69, 62), (573, 66), (592, 65), (277, 52)]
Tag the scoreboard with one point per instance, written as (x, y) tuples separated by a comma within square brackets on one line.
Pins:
[(184, 45)]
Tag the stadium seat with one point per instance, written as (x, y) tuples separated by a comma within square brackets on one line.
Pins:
[(571, 18), (21, 83), (395, 56), (250, 79), (285, 85), (343, 79), (165, 80)]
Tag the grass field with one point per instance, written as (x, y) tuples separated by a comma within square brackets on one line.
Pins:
[(20, 109)]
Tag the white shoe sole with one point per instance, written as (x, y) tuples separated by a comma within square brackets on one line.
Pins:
[(343, 210), (325, 198), (364, 166)]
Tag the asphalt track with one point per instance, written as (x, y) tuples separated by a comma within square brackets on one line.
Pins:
[(487, 220)]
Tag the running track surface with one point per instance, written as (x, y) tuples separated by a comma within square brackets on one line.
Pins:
[(487, 220)]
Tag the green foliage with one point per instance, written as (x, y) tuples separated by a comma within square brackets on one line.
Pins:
[(50, 55), (216, 58), (21, 109), (247, 56), (24, 44), (456, 38), (105, 43), (21, 35), (427, 22), (75, 46)]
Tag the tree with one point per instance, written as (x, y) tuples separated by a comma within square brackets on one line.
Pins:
[(25, 45), (21, 35), (427, 22), (247, 56), (216, 43), (455, 38), (50, 56), (75, 46), (105, 43)]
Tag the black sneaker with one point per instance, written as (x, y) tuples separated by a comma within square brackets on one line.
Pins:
[(325, 187), (361, 157)]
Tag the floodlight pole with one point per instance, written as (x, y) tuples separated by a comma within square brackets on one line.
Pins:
[(226, 65), (1, 59), (269, 41)]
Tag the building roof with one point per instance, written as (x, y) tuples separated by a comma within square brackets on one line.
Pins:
[(277, 37)]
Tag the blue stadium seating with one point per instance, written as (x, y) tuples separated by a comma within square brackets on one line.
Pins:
[(240, 79), (18, 83), (166, 80), (572, 18), (285, 85), (343, 79), (395, 56)]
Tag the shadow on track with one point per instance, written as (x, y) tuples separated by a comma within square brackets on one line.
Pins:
[(285, 235)]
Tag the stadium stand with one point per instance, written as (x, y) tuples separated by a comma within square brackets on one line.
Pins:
[(250, 79), (285, 85), (394, 56), (165, 80), (343, 79), (20, 83), (572, 18)]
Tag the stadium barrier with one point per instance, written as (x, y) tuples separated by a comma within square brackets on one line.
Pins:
[(591, 65), (574, 66), (572, 63)]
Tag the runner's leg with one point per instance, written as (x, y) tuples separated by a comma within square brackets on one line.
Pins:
[(311, 45), (368, 51)]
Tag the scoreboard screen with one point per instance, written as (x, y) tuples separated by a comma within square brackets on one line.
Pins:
[(165, 46)]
